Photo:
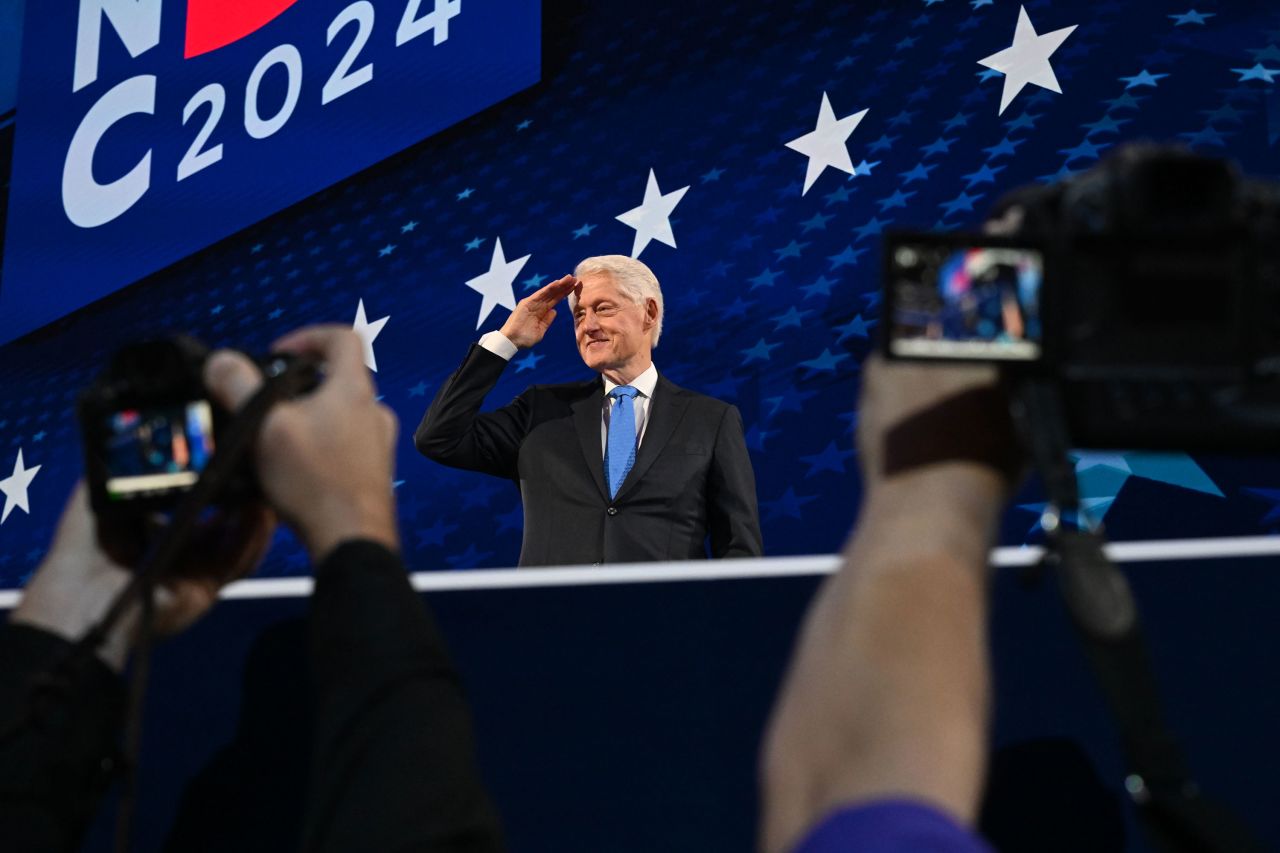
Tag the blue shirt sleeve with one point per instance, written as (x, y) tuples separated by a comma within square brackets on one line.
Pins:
[(891, 826)]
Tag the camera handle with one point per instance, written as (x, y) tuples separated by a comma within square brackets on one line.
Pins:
[(1098, 596), (284, 378)]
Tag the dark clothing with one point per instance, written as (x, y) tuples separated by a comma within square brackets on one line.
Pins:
[(692, 480), (393, 766)]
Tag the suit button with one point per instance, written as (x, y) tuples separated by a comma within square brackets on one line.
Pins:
[(613, 510)]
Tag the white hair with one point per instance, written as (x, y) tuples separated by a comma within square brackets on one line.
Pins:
[(633, 277)]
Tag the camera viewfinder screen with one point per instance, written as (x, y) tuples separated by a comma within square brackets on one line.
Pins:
[(965, 302), (157, 449)]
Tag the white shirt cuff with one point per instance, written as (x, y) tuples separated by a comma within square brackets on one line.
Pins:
[(499, 344)]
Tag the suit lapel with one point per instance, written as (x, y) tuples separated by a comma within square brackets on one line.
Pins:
[(587, 413), (665, 412)]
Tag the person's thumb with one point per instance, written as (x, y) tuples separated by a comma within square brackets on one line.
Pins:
[(231, 378)]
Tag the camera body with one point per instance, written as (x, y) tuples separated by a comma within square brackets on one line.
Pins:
[(1147, 290), (149, 429)]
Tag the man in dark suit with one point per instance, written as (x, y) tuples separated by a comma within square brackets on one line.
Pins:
[(626, 466)]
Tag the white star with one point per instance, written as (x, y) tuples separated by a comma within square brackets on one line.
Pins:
[(368, 332), (15, 487), (1027, 59), (652, 218), (495, 285), (825, 144)]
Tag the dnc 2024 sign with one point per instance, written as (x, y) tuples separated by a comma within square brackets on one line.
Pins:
[(148, 129)]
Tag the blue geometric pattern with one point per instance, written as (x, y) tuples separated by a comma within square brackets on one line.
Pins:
[(772, 295)]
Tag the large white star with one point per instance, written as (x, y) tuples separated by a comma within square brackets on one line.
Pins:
[(652, 219), (496, 285), (15, 487), (825, 144), (1027, 59), (368, 332)]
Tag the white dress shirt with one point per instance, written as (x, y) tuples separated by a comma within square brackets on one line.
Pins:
[(498, 344)]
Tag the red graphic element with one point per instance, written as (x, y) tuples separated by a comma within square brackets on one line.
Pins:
[(212, 24)]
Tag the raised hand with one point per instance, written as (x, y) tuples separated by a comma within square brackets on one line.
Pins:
[(533, 315)]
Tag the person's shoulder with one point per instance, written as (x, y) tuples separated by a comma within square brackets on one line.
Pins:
[(568, 391), (704, 402)]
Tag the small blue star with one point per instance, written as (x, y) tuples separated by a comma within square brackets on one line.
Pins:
[(830, 458), (1106, 124), (215, 310), (1257, 72), (765, 279), (1270, 52), (1124, 100), (419, 390), (919, 173), (818, 223), (719, 270), (1085, 149), (472, 245), (712, 175), (884, 143), (1004, 146), (791, 400), (938, 146), (1142, 78), (964, 201), (840, 194), (524, 125), (584, 231), (791, 250), (529, 362), (957, 120), (1027, 120), (847, 258), (978, 4), (903, 117), (873, 227), (255, 248), (274, 314), (855, 328), (386, 250), (39, 436), (1191, 17), (1208, 135), (511, 520), (898, 199), (759, 352), (466, 193), (408, 226), (534, 281), (790, 504), (821, 287), (825, 363), (864, 168), (985, 175), (793, 317)]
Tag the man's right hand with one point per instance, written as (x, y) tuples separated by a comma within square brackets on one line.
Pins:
[(533, 315)]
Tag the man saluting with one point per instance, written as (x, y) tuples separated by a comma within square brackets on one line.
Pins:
[(623, 467)]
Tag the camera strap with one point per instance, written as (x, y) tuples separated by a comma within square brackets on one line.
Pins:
[(284, 378), (1098, 597)]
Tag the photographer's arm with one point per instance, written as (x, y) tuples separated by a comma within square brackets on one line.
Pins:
[(887, 694), (394, 765)]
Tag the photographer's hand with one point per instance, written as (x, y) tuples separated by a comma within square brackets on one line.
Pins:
[(887, 695), (78, 580), (324, 460)]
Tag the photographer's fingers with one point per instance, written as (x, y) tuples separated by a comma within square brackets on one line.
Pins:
[(231, 378), (341, 350)]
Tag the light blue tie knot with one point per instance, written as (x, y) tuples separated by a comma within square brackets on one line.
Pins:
[(620, 449)]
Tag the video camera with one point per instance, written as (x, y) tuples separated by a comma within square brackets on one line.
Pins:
[(1147, 290), (149, 428)]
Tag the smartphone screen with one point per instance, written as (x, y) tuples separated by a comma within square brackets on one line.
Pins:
[(954, 300), (156, 449)]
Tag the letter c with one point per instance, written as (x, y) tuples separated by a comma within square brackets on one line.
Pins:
[(87, 202)]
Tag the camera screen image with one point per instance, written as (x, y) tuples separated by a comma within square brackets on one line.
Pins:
[(967, 302), (157, 449)]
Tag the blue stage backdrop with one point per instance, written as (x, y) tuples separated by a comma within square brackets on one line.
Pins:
[(777, 140)]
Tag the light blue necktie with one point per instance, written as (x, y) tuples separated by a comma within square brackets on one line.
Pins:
[(620, 449)]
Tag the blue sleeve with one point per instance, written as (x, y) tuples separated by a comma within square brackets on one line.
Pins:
[(891, 826)]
